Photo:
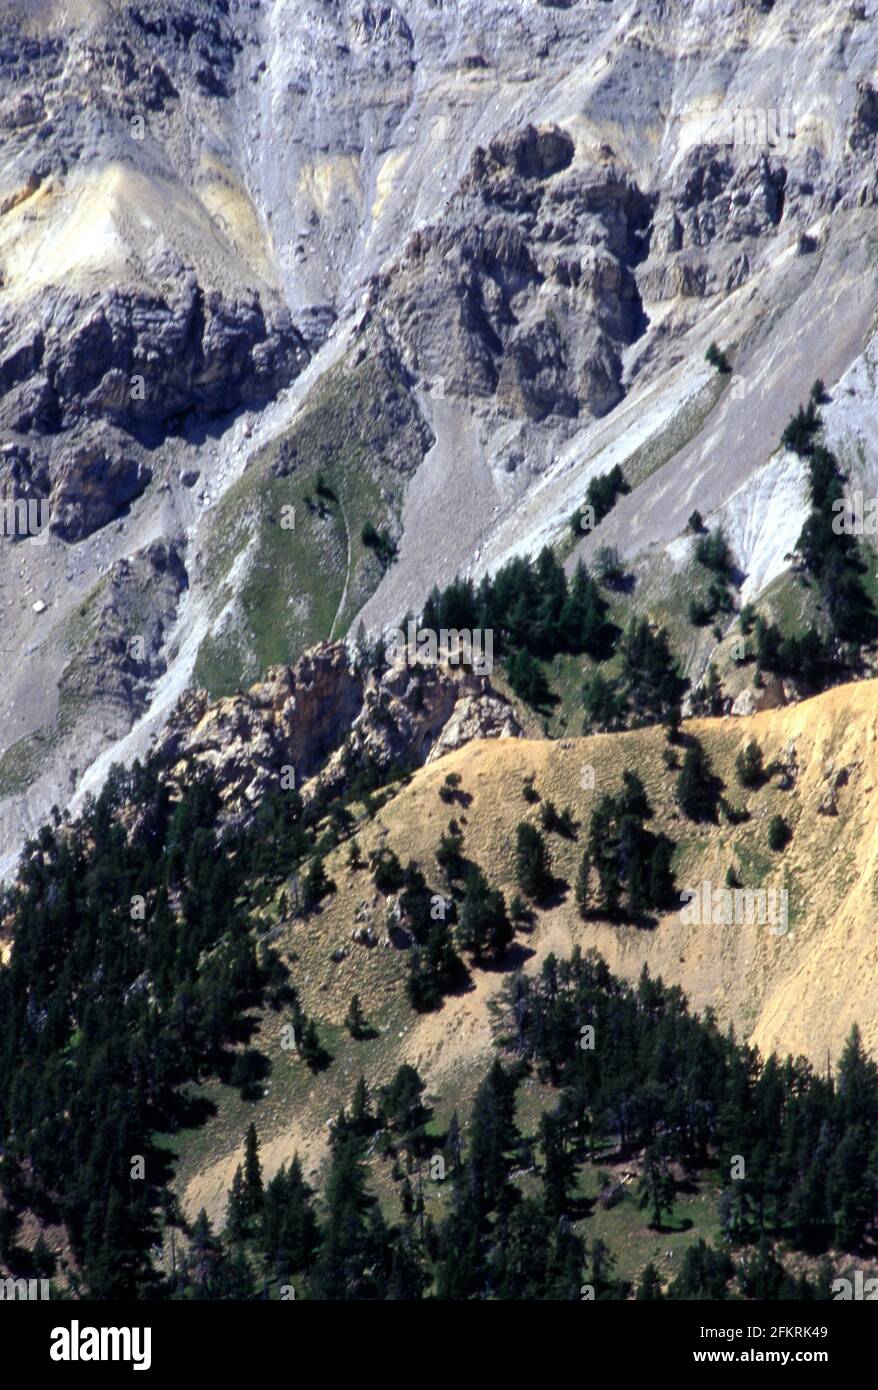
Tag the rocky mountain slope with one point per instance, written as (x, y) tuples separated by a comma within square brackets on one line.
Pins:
[(453, 261), (308, 307)]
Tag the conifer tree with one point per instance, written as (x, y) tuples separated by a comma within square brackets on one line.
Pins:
[(355, 1020), (779, 833), (559, 1168), (749, 765), (236, 1208), (649, 1289), (288, 1232), (315, 886), (483, 926), (603, 850), (460, 1264), (582, 890), (311, 1048), (493, 1136), (656, 1186), (661, 875), (454, 1144), (403, 1109), (362, 1116), (408, 1279), (697, 789), (532, 871), (253, 1190), (204, 1254), (432, 969), (604, 707), (354, 1245)]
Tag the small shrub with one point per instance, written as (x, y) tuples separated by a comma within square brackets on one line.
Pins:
[(388, 874), (749, 765), (779, 834), (449, 788), (717, 358)]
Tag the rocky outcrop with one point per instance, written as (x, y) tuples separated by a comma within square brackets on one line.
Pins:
[(92, 483), (82, 485), (530, 153), (786, 766), (365, 410), (752, 699), (863, 124), (140, 357), (128, 622), (326, 718), (293, 719), (475, 716), (24, 473), (412, 714), (524, 292), (135, 304), (836, 779), (714, 206)]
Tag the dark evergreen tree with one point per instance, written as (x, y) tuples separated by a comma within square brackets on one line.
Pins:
[(697, 788), (494, 1137), (236, 1208), (559, 1168), (483, 926), (355, 1020), (433, 970), (749, 765), (253, 1190), (403, 1110), (353, 1259), (779, 834), (362, 1119), (649, 1289), (705, 1274), (289, 1234), (582, 890), (649, 671), (656, 1186), (532, 871), (315, 886), (527, 679), (518, 1260), (604, 707), (311, 1049)]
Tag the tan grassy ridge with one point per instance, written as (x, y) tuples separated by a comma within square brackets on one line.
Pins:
[(797, 993)]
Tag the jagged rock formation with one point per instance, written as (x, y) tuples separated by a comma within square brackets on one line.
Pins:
[(411, 715), (293, 719), (128, 622), (327, 716), (124, 302), (525, 289), (143, 357), (530, 220)]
